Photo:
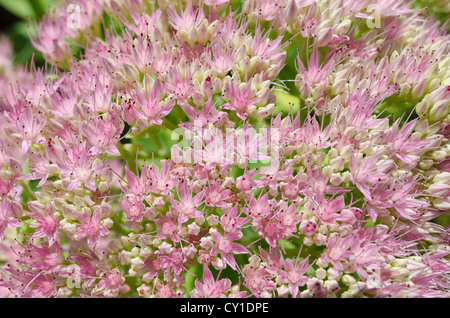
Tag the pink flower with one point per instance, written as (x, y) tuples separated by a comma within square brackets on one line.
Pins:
[(166, 291), (30, 126), (267, 49), (404, 200), (366, 259), (41, 257), (222, 58), (216, 195), (272, 174), (210, 287), (402, 145), (246, 183), (250, 146), (289, 218), (312, 132), (84, 170), (43, 286), (174, 259), (90, 227), (147, 104), (327, 210), (259, 281), (366, 171), (212, 149), (315, 74), (201, 118), (231, 222), (161, 180), (225, 245), (337, 250), (104, 133), (50, 38), (110, 283), (187, 19), (98, 94), (180, 84), (133, 207), (141, 49), (273, 259), (241, 98), (271, 229), (45, 223), (308, 227), (88, 262), (293, 275), (137, 185), (186, 205), (169, 227), (6, 221)]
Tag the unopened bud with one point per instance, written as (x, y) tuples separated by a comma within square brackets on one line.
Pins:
[(439, 110), (321, 273), (125, 257), (332, 286), (336, 179), (338, 163), (348, 280)]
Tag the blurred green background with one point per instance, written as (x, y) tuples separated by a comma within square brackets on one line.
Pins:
[(15, 18)]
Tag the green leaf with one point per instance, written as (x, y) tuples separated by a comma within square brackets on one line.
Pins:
[(285, 101), (20, 8), (288, 245), (23, 49), (190, 279), (40, 6)]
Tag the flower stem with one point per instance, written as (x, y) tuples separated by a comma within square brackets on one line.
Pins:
[(27, 189)]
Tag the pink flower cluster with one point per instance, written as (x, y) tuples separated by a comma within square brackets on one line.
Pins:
[(344, 193)]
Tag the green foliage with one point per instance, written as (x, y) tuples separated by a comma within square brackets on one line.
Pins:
[(25, 11)]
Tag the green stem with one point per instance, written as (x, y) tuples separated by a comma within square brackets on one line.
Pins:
[(27, 189), (168, 124), (38, 8)]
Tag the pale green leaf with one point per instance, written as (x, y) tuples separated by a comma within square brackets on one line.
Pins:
[(285, 101), (20, 8)]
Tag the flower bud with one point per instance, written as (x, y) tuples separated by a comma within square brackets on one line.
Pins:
[(144, 290), (291, 12), (327, 171), (404, 88), (343, 27), (434, 84), (314, 285), (332, 286), (125, 257), (283, 291), (419, 89), (348, 280), (325, 36), (357, 288), (321, 273), (338, 163), (439, 110), (440, 203), (306, 294), (333, 273), (336, 179)]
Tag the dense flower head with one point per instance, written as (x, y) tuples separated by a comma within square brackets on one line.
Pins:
[(300, 146)]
